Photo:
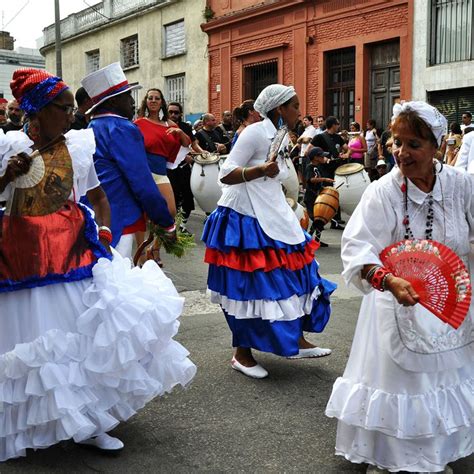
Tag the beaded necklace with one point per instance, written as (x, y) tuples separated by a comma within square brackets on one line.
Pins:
[(429, 216)]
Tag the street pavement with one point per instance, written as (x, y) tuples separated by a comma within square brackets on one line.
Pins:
[(224, 421)]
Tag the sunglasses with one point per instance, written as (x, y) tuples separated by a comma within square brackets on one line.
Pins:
[(68, 109)]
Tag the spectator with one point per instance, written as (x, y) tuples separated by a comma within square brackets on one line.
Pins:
[(3, 111), (381, 168), (372, 150), (451, 144), (304, 140), (357, 144), (384, 150), (211, 138), (227, 126), (14, 116), (466, 120), (465, 156), (197, 125), (321, 124), (84, 103)]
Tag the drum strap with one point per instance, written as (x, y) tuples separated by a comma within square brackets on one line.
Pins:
[(209, 142)]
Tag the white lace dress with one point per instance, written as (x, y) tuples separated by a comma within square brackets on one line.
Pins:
[(78, 357), (406, 399)]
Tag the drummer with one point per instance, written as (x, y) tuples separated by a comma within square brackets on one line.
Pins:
[(314, 183)]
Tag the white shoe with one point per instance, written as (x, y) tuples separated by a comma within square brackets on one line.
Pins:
[(375, 470), (255, 372), (311, 352), (105, 442)]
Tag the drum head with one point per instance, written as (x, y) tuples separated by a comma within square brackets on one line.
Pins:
[(206, 159), (349, 168)]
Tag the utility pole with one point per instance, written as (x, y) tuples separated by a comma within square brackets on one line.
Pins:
[(57, 28)]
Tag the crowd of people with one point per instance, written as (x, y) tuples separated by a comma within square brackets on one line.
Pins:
[(87, 340)]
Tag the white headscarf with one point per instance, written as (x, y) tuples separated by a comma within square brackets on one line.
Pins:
[(271, 97), (429, 114)]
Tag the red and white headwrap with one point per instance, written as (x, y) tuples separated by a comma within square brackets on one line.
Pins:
[(35, 88)]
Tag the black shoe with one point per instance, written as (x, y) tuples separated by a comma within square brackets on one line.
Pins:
[(340, 221), (336, 225)]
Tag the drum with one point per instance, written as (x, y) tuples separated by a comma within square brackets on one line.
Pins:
[(350, 180), (204, 180), (300, 211), (326, 205), (291, 184)]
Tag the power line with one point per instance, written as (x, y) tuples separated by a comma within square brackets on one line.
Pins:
[(16, 14)]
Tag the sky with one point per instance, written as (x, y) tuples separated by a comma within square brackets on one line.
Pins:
[(25, 19)]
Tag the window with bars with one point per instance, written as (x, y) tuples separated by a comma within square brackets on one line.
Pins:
[(451, 31), (257, 76), (175, 89), (174, 39), (340, 91), (92, 61), (129, 51)]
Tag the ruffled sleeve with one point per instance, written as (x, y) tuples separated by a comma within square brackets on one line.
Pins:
[(369, 230), (81, 146), (11, 144)]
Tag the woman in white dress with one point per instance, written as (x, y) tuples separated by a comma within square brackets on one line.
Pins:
[(406, 399), (85, 340)]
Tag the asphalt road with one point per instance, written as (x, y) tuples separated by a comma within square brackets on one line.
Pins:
[(226, 422)]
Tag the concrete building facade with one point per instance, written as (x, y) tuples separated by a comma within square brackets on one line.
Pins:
[(349, 58), (11, 59), (159, 43), (443, 55)]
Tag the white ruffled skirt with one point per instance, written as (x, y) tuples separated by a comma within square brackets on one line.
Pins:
[(394, 418), (77, 358)]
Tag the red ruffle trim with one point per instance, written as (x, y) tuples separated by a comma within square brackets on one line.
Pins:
[(267, 260)]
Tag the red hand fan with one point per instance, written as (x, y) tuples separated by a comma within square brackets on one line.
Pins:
[(436, 273)]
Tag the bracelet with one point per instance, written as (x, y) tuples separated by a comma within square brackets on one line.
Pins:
[(371, 272), (105, 235), (244, 179), (104, 227), (379, 277), (384, 280)]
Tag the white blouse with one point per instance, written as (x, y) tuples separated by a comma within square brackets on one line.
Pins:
[(262, 198), (81, 146)]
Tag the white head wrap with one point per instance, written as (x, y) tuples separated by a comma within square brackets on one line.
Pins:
[(429, 114), (271, 97)]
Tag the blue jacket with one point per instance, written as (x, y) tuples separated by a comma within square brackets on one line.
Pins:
[(121, 164)]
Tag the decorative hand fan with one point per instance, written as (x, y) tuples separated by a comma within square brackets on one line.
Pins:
[(436, 273), (47, 185), (276, 143)]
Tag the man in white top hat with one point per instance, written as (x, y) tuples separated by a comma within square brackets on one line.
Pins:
[(120, 158)]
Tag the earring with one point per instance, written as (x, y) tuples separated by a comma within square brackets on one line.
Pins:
[(280, 122), (161, 114)]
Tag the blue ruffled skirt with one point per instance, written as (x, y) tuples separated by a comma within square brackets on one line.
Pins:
[(270, 291)]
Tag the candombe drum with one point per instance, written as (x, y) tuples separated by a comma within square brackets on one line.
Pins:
[(204, 180), (351, 180), (300, 211), (291, 184), (326, 205)]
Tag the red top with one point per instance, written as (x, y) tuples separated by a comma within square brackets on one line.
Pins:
[(157, 141)]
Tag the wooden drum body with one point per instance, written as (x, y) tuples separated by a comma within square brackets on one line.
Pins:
[(205, 181), (351, 180), (326, 205)]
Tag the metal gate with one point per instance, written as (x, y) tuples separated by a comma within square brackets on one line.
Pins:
[(257, 76)]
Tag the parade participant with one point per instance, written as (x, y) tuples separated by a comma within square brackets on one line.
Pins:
[(210, 136), (314, 184), (127, 182), (3, 111), (357, 145), (262, 269), (243, 116), (371, 156), (180, 177), (466, 120), (75, 358), (405, 401), (226, 126), (381, 168), (84, 103), (451, 144)]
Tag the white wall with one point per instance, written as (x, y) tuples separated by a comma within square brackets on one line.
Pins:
[(434, 78)]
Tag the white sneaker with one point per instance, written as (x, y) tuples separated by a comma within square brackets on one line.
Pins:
[(105, 442), (311, 352), (255, 372)]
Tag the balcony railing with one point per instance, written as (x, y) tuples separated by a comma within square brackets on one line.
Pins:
[(97, 15)]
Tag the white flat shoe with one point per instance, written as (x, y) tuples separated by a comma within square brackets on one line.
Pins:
[(255, 372), (105, 442), (311, 352)]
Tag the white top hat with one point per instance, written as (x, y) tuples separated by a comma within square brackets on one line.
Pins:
[(106, 83)]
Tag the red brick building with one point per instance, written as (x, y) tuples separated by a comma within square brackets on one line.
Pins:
[(349, 58)]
